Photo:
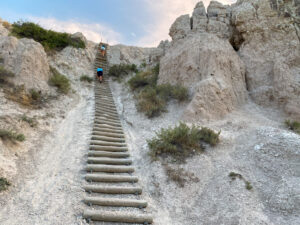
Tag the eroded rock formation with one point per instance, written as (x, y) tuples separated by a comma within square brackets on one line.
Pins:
[(265, 35)]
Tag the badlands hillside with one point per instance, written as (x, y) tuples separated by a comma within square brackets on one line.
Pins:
[(240, 65)]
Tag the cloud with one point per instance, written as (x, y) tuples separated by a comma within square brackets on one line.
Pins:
[(165, 13), (92, 31)]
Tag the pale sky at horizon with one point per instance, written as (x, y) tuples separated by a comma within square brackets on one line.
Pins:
[(131, 22)]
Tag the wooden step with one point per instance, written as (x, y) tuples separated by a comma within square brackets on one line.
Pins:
[(111, 178), (118, 216), (109, 161), (108, 154), (109, 168), (112, 189), (115, 202), (108, 148)]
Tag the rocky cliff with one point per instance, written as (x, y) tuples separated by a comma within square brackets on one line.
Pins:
[(254, 43)]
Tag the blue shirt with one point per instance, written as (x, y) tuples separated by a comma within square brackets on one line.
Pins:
[(99, 69)]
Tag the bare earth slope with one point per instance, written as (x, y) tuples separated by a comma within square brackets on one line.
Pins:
[(51, 192), (254, 143)]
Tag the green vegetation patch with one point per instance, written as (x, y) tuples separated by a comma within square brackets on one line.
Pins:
[(4, 183), (150, 102), (153, 98), (180, 142), (51, 40), (11, 135), (60, 81), (293, 125), (120, 70), (85, 78)]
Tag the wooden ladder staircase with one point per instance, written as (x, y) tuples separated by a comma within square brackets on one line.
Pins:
[(113, 193)]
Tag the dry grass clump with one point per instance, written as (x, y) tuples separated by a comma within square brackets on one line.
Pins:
[(233, 177), (85, 78), (60, 81), (31, 121), (293, 125), (4, 183), (11, 135), (32, 98), (5, 75), (6, 24), (180, 176), (181, 142)]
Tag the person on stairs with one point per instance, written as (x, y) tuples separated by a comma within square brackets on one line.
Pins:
[(100, 74), (103, 50)]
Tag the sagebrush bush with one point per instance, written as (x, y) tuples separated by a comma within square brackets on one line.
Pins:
[(152, 98), (4, 183), (120, 70), (11, 135), (60, 81), (179, 142), (209, 136), (141, 80), (168, 91), (86, 78), (51, 40), (150, 103), (293, 125)]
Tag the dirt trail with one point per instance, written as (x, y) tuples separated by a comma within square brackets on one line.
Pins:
[(53, 192)]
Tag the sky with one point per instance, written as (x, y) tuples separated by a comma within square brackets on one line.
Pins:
[(131, 22)]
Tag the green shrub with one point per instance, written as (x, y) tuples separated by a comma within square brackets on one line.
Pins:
[(140, 80), (5, 74), (248, 185), (293, 125), (143, 64), (180, 93), (86, 78), (35, 95), (156, 69), (168, 91), (179, 142), (209, 136), (11, 135), (152, 98), (51, 40), (60, 81), (150, 103), (120, 70), (4, 183)]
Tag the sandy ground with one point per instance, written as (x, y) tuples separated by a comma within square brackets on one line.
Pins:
[(254, 143), (50, 189)]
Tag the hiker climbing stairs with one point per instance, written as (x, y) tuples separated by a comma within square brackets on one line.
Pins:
[(112, 191)]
